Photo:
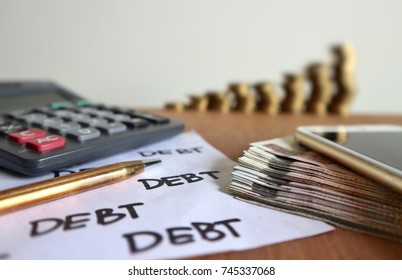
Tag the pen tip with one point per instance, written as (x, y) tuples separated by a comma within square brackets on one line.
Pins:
[(150, 162)]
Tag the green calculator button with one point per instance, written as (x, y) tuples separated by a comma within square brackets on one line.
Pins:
[(83, 103), (61, 105)]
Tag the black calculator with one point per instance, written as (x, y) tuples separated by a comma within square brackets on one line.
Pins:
[(44, 127)]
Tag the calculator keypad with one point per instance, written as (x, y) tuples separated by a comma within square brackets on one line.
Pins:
[(48, 128)]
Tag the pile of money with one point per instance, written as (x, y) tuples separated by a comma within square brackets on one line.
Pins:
[(282, 175)]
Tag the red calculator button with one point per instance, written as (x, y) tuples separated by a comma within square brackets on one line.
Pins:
[(26, 135), (47, 143)]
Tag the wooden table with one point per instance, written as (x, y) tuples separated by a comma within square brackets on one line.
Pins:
[(231, 133)]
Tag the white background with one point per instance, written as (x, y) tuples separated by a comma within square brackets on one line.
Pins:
[(146, 53)]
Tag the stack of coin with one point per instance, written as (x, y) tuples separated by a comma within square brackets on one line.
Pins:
[(343, 67), (198, 103), (321, 89), (218, 101), (175, 106), (294, 95), (244, 100), (268, 100)]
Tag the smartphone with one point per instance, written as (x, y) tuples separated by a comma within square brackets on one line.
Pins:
[(375, 151), (45, 127)]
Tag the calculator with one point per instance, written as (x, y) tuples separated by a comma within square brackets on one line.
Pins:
[(45, 127)]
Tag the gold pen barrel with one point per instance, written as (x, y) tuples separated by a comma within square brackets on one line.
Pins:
[(60, 187)]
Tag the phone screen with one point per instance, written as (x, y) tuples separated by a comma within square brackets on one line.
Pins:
[(384, 146)]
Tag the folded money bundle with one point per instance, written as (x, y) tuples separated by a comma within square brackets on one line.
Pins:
[(282, 175)]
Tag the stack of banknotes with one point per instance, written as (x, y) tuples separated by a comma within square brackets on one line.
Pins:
[(282, 175)]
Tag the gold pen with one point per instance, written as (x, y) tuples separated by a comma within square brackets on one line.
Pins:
[(40, 192)]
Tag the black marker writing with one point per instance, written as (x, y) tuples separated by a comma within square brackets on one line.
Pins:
[(104, 216), (197, 150), (177, 180), (142, 241)]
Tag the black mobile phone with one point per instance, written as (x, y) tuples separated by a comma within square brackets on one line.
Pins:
[(45, 127), (372, 150)]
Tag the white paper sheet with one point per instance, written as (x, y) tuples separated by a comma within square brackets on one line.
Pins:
[(189, 214)]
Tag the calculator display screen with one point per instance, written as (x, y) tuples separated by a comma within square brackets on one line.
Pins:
[(37, 99)]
